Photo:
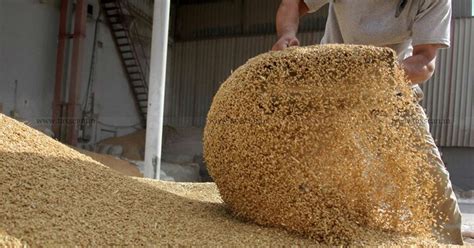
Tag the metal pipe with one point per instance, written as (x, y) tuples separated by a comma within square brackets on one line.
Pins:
[(60, 57), (156, 95), (76, 69)]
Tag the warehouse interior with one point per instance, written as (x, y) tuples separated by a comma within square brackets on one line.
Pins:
[(79, 72)]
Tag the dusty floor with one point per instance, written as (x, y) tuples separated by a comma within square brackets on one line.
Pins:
[(467, 209)]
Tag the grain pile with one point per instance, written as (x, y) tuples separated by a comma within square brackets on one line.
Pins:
[(9, 241), (114, 163), (320, 140), (133, 144), (52, 195)]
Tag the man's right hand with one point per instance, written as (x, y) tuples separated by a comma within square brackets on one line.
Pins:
[(287, 21), (285, 41)]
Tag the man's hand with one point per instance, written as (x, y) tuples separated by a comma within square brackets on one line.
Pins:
[(420, 66), (286, 41), (287, 22)]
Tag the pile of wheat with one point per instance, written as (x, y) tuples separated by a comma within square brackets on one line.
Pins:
[(51, 195), (322, 140), (272, 169)]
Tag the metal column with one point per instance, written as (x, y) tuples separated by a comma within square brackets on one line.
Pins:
[(76, 69), (60, 58), (156, 93)]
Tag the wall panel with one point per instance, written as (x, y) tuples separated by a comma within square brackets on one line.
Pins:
[(448, 95), (228, 18), (462, 8), (199, 67)]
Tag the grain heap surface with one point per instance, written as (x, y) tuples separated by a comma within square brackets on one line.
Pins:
[(133, 144), (320, 140), (120, 165), (52, 195)]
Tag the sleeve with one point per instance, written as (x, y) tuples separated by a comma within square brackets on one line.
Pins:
[(432, 23), (314, 5)]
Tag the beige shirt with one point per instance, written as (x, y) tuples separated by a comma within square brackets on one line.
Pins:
[(374, 22)]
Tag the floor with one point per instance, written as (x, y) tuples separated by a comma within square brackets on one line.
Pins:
[(467, 210)]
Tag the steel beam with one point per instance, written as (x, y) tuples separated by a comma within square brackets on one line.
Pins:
[(76, 69), (60, 59), (156, 95)]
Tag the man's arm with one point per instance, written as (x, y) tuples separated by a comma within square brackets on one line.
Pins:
[(287, 22), (420, 66)]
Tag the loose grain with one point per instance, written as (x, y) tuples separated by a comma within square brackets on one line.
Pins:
[(320, 140), (133, 144), (122, 166), (52, 195)]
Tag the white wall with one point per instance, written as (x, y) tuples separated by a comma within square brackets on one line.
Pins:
[(28, 43), (114, 104)]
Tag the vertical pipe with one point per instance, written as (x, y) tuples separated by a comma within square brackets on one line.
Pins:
[(156, 93), (60, 55), (76, 69)]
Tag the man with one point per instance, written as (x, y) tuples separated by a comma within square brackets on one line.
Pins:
[(415, 29)]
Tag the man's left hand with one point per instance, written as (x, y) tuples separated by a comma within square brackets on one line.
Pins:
[(420, 66)]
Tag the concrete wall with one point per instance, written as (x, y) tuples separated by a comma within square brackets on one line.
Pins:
[(114, 105), (29, 31), (27, 57)]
